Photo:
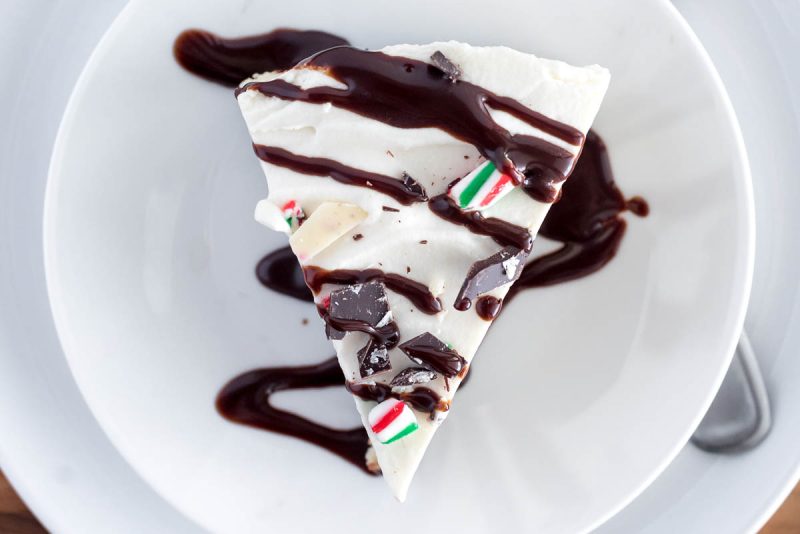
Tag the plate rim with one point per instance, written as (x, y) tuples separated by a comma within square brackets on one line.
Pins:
[(746, 209)]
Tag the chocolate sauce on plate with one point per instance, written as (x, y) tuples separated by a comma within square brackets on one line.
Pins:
[(246, 400), (279, 271), (229, 61), (586, 220)]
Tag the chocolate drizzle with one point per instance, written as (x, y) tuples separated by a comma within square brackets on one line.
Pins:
[(246, 400), (503, 232), (414, 291), (428, 350), (421, 399), (229, 61), (405, 191), (387, 335), (407, 93)]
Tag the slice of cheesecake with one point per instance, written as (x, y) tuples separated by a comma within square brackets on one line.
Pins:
[(411, 182)]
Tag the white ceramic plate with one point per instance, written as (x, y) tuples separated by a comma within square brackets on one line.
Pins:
[(150, 249)]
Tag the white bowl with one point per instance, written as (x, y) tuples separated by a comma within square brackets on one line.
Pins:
[(150, 249)]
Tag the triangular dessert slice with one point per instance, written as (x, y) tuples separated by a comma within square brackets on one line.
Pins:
[(411, 181)]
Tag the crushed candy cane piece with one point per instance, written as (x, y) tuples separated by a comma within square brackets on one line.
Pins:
[(481, 188), (293, 214), (392, 420)]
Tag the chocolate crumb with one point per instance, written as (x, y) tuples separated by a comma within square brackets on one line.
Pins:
[(304, 321), (423, 242), (389, 208), (390, 153), (358, 236), (451, 71), (408, 269), (466, 156)]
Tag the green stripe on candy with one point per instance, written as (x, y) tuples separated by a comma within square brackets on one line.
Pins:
[(475, 185), (403, 433)]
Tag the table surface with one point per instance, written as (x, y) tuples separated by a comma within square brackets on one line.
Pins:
[(15, 518)]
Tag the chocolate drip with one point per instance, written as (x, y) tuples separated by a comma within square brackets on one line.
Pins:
[(405, 191), (246, 400), (488, 307), (421, 399), (638, 206), (229, 61), (387, 335), (407, 93), (586, 219), (503, 232), (280, 272), (414, 291)]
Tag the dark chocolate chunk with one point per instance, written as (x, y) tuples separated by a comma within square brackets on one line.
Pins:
[(389, 208), (373, 358), (413, 376), (451, 71), (358, 237), (428, 350), (497, 270), (414, 186), (362, 302)]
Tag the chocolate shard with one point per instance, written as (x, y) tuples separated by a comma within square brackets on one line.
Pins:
[(365, 303), (373, 358), (414, 187), (413, 376), (451, 71), (428, 350), (485, 275)]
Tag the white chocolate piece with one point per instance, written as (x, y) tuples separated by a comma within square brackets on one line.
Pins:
[(329, 222)]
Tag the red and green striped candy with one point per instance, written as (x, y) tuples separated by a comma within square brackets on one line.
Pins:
[(481, 188), (293, 214), (392, 420)]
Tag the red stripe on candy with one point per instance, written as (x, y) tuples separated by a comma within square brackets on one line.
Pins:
[(289, 205), (387, 419), (504, 179)]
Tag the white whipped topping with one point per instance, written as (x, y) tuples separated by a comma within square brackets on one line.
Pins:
[(392, 240)]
